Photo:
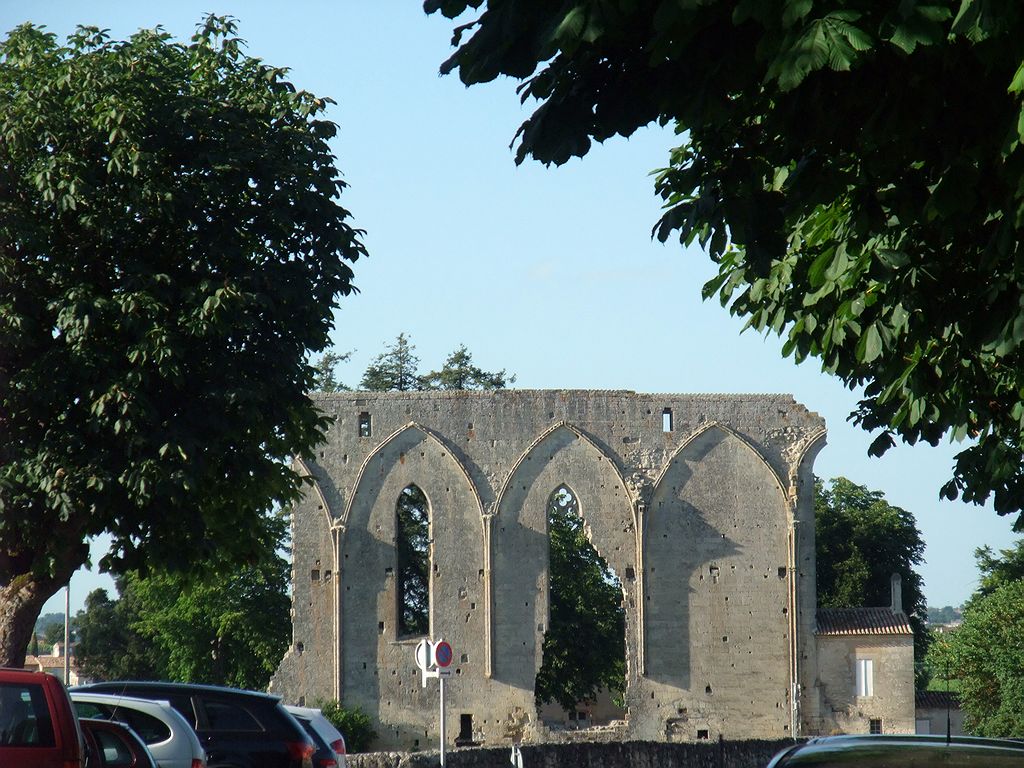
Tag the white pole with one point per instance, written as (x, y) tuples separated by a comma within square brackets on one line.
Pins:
[(67, 634), (442, 720)]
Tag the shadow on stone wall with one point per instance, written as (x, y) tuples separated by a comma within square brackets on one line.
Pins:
[(629, 754)]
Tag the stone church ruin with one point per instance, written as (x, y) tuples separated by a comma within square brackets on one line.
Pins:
[(701, 505)]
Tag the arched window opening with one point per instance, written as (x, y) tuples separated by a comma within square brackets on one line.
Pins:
[(412, 548), (582, 679)]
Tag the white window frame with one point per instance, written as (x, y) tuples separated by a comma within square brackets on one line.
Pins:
[(865, 677)]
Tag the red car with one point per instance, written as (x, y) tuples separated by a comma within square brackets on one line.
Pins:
[(38, 727), (114, 745)]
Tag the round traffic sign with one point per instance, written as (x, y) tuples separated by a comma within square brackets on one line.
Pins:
[(423, 651), (442, 654)]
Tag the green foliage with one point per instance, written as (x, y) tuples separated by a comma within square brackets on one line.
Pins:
[(855, 169), (985, 656), (324, 377), (412, 548), (43, 622), (231, 630), (584, 646), (108, 647), (1008, 566), (171, 248), (54, 634), (354, 724), (860, 541), (459, 372), (394, 369), (218, 626)]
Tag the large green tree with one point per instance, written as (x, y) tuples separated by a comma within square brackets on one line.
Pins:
[(171, 250), (227, 629), (394, 369), (998, 569), (584, 650), (108, 647), (985, 656), (860, 541), (232, 630), (854, 168), (459, 372), (325, 376)]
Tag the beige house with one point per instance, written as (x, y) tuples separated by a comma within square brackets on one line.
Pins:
[(866, 669), (54, 665)]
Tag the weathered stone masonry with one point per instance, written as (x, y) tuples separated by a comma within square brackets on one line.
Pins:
[(702, 504)]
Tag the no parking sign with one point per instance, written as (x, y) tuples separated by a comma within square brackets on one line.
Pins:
[(442, 654), (433, 658)]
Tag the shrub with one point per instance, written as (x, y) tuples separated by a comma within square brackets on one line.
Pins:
[(354, 724)]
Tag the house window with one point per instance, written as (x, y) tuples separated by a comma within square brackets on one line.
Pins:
[(364, 424), (865, 677), (875, 725), (666, 420)]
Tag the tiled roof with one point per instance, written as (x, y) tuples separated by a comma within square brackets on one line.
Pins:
[(862, 621), (936, 700)]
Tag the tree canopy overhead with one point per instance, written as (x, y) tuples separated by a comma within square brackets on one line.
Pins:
[(171, 249), (854, 168)]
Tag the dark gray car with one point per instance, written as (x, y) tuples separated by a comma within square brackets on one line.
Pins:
[(238, 729), (901, 751)]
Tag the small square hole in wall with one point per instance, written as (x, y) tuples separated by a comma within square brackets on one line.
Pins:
[(703, 734), (782, 571), (380, 626)]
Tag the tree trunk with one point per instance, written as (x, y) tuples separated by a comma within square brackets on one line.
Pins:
[(24, 592), (20, 603)]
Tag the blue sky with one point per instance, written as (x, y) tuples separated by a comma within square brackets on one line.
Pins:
[(550, 273)]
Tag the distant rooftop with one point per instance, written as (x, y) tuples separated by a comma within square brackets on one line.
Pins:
[(936, 700)]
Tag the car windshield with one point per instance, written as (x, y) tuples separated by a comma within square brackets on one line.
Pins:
[(24, 716)]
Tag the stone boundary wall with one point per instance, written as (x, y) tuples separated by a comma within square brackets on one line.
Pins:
[(629, 754)]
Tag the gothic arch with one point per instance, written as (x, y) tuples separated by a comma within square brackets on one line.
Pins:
[(716, 550), (714, 425), (370, 639), (321, 500), (397, 435), (562, 455)]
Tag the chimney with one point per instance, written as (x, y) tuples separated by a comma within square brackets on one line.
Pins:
[(897, 593)]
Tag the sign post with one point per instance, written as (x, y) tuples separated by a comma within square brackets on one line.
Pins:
[(434, 659)]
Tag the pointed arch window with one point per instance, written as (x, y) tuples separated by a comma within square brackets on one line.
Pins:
[(584, 601), (412, 550)]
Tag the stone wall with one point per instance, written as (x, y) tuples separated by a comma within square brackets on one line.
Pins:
[(632, 754), (701, 504)]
